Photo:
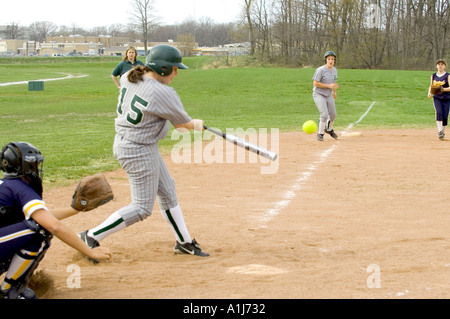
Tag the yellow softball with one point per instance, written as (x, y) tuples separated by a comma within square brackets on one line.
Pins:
[(309, 127)]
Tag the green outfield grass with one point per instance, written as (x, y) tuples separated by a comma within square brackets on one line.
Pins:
[(72, 121)]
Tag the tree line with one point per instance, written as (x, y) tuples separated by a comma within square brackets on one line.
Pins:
[(205, 31), (391, 34), (394, 34)]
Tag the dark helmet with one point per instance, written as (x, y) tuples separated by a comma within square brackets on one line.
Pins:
[(162, 58), (21, 159), (328, 53)]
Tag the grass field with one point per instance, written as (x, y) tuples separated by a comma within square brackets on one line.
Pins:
[(72, 121)]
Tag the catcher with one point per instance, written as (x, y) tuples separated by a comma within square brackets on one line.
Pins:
[(27, 225), (440, 91)]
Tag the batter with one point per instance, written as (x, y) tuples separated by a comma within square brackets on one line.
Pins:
[(146, 106), (324, 94)]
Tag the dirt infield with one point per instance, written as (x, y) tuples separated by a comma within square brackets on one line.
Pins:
[(366, 216)]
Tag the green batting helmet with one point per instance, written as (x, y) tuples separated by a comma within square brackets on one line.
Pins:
[(162, 58), (328, 53)]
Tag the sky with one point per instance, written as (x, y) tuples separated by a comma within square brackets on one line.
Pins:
[(92, 13)]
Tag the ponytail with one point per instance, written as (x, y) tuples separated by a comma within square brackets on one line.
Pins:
[(136, 74)]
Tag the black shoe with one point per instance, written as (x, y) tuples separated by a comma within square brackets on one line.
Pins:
[(13, 293), (190, 249), (91, 242), (441, 135), (320, 137), (332, 133)]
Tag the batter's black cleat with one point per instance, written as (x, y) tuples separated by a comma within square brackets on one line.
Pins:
[(91, 242), (320, 137), (332, 133), (441, 135), (192, 248)]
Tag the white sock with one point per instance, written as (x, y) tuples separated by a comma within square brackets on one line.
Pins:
[(322, 127), (174, 217), (112, 224), (330, 125), (440, 126)]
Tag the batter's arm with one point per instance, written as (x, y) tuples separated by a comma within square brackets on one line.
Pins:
[(194, 124)]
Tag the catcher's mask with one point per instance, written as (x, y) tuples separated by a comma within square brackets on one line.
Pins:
[(21, 159), (162, 58)]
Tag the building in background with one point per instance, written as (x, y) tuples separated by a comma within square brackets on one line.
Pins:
[(104, 45)]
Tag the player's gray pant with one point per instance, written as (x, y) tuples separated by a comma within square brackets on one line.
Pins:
[(148, 176), (326, 106)]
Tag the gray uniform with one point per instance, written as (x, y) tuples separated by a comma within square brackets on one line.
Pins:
[(323, 97), (144, 112)]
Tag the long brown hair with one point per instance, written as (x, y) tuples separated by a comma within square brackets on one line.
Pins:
[(137, 73), (132, 49)]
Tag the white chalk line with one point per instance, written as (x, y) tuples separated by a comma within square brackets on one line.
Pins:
[(69, 76), (304, 177)]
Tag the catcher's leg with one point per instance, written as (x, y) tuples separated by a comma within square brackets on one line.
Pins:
[(24, 263)]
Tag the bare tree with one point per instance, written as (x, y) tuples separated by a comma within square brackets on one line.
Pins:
[(41, 29), (142, 14), (365, 33), (116, 29), (186, 44), (76, 29), (439, 18), (13, 30), (248, 6)]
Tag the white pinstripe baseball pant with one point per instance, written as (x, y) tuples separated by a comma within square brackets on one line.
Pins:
[(148, 176)]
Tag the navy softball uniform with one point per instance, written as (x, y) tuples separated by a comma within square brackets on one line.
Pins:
[(442, 101), (19, 234)]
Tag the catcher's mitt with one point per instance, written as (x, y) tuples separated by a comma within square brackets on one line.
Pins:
[(92, 192)]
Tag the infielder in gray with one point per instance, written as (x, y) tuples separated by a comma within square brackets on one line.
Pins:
[(324, 94), (146, 105)]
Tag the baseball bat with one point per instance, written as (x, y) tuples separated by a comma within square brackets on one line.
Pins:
[(244, 144)]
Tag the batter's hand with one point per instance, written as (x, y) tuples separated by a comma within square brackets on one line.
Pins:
[(199, 125), (194, 124)]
